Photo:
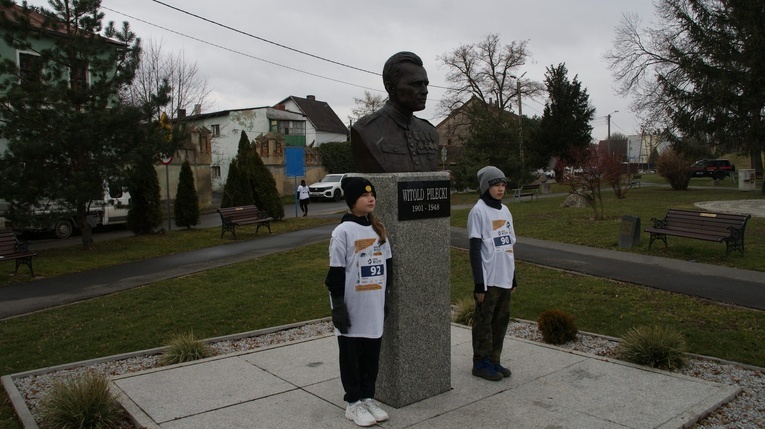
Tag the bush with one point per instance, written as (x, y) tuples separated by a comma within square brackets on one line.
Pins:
[(145, 213), (186, 207), (337, 157), (83, 402), (654, 346), (557, 327), (675, 168), (464, 311), (185, 348)]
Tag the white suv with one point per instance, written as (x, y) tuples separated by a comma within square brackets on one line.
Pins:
[(327, 188)]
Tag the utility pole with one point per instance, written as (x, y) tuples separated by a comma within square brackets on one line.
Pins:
[(608, 119), (520, 116), (520, 121)]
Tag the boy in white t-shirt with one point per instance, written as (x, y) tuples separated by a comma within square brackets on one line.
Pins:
[(492, 236), (304, 197), (358, 278)]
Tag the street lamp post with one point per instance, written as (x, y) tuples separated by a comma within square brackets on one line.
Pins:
[(520, 115)]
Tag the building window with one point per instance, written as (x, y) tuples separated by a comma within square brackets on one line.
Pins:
[(215, 130), (292, 128), (215, 171), (30, 68), (79, 76)]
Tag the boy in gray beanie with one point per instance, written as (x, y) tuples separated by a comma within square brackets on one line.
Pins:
[(492, 236)]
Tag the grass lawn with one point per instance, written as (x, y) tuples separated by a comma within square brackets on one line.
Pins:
[(263, 293)]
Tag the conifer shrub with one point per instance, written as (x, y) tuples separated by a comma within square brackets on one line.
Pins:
[(186, 207), (557, 327), (145, 213), (81, 402), (264, 192), (654, 346), (185, 348), (464, 311)]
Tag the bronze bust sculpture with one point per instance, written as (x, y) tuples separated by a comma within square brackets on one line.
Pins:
[(392, 139)]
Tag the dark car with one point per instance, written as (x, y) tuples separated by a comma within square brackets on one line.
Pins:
[(719, 169)]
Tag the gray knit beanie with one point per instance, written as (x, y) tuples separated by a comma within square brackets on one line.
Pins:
[(488, 176)]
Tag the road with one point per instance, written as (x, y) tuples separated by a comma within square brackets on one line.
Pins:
[(206, 220)]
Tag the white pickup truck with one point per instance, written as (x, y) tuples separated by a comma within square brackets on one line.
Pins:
[(111, 209)]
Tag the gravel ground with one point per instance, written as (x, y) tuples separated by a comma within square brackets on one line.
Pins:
[(746, 411)]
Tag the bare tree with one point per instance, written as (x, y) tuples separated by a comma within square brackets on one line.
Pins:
[(697, 71), (489, 71), (364, 106), (188, 88)]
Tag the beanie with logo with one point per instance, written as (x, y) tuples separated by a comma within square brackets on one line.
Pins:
[(354, 187), (488, 176)]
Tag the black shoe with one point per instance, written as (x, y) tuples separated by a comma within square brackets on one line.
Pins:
[(485, 369), (502, 370)]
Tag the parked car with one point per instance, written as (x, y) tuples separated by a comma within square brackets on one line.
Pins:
[(327, 188), (719, 169)]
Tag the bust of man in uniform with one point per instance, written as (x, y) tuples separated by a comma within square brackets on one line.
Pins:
[(392, 139)]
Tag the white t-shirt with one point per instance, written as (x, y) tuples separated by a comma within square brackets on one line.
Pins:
[(495, 229), (303, 192), (357, 248)]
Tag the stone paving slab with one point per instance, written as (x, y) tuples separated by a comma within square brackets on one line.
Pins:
[(297, 385)]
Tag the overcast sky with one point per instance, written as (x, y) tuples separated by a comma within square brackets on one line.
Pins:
[(243, 70)]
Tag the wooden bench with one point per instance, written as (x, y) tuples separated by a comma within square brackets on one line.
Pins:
[(709, 226), (526, 191), (231, 217), (11, 248)]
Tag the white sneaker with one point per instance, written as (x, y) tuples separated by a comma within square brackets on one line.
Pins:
[(374, 409), (359, 414)]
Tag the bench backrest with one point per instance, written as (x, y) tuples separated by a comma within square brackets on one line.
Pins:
[(7, 243), (529, 187), (239, 212), (691, 220)]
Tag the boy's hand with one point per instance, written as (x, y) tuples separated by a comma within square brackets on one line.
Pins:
[(479, 297)]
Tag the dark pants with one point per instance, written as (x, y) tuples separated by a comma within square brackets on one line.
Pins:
[(304, 205), (490, 324), (359, 359)]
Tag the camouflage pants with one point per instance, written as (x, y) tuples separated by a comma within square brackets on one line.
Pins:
[(490, 324)]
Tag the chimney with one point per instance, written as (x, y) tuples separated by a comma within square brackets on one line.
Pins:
[(311, 97), (181, 113), (197, 109)]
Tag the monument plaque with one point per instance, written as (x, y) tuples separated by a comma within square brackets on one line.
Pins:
[(423, 200)]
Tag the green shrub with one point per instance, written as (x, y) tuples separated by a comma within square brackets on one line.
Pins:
[(185, 348), (464, 310), (337, 157), (654, 346), (82, 402), (557, 327), (186, 207)]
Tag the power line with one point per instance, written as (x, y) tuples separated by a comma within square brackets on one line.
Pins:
[(236, 30), (265, 40), (239, 52)]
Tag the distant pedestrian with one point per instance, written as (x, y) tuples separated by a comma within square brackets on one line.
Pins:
[(358, 278), (303, 197), (492, 236)]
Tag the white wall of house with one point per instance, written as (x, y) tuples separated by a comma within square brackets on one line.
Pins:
[(227, 127), (311, 134)]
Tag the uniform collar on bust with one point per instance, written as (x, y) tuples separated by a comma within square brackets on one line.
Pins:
[(402, 119)]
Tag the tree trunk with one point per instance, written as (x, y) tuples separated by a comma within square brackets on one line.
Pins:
[(86, 231)]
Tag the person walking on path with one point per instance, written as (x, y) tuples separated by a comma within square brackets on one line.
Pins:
[(303, 197), (359, 263), (492, 236)]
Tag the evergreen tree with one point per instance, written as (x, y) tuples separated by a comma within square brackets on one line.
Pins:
[(71, 128), (264, 188), (237, 190), (145, 214), (186, 207), (565, 125)]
